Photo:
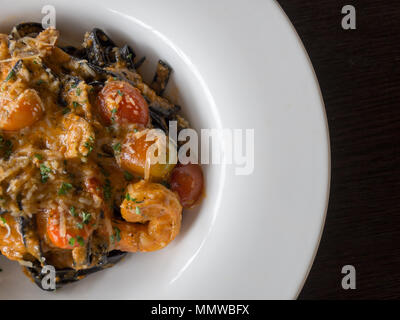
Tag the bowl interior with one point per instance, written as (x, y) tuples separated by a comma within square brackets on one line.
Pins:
[(140, 275)]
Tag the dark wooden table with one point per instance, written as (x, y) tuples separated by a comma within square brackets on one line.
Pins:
[(358, 71)]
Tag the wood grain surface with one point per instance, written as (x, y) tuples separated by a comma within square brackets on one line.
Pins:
[(358, 72)]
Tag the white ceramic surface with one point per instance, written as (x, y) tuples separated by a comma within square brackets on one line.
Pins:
[(238, 64)]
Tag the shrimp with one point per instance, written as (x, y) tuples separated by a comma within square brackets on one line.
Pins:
[(21, 113), (152, 215), (11, 243), (79, 136)]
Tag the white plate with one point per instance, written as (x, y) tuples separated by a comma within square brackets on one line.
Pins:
[(237, 65)]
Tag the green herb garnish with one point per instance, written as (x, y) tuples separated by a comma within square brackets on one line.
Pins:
[(117, 234), (65, 187), (72, 210), (86, 217), (120, 93), (80, 240), (117, 148), (71, 241), (10, 75), (44, 172), (138, 211), (128, 176), (113, 112), (89, 145), (78, 91), (75, 104), (38, 156), (128, 197)]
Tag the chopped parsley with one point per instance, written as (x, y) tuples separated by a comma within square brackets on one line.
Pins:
[(75, 104), (71, 241), (113, 112), (80, 241), (65, 187), (117, 234), (128, 176), (86, 217), (72, 210), (38, 156), (89, 144), (3, 220), (138, 211), (44, 172), (78, 91), (66, 110), (79, 225), (120, 93), (128, 197), (74, 85), (117, 148), (10, 75)]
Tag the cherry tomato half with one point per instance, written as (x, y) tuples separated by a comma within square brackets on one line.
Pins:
[(119, 101), (74, 235), (22, 113), (134, 155), (187, 181), (76, 231)]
